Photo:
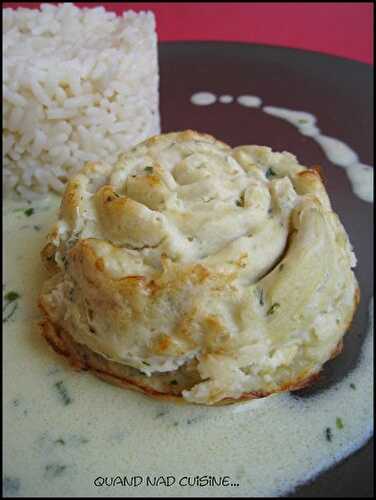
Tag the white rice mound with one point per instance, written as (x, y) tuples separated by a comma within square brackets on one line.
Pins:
[(78, 85)]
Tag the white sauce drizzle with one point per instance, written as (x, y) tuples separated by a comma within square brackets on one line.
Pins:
[(305, 122), (267, 446), (226, 99), (338, 152), (203, 98), (249, 101)]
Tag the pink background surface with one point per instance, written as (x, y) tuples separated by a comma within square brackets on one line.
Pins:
[(342, 29)]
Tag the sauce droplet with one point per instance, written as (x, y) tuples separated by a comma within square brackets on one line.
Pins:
[(203, 98), (250, 101), (226, 99)]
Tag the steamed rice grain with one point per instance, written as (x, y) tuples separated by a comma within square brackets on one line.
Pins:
[(78, 85)]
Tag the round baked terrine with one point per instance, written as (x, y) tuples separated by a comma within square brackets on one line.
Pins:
[(194, 271)]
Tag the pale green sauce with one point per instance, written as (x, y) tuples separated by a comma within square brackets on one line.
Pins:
[(63, 429)]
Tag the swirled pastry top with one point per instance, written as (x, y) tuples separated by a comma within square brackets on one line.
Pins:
[(190, 253)]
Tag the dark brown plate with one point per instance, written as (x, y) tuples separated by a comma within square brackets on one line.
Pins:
[(340, 93)]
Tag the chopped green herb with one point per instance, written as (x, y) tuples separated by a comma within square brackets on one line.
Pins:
[(303, 120), (60, 441), (29, 211), (328, 434), (339, 423), (174, 382), (261, 297), (12, 310), (353, 386), (270, 173), (12, 296), (54, 470), (273, 308), (148, 169), (37, 227), (161, 414), (240, 201), (146, 363), (63, 393)]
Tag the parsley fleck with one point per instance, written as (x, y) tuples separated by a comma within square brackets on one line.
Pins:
[(54, 470), (60, 441), (273, 308), (148, 169), (174, 382), (240, 201), (10, 306), (63, 393), (303, 120), (261, 297), (328, 434), (29, 211), (270, 173), (353, 386), (12, 296), (13, 310), (339, 423)]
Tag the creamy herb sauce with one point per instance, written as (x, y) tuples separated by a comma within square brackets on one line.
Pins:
[(64, 429)]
